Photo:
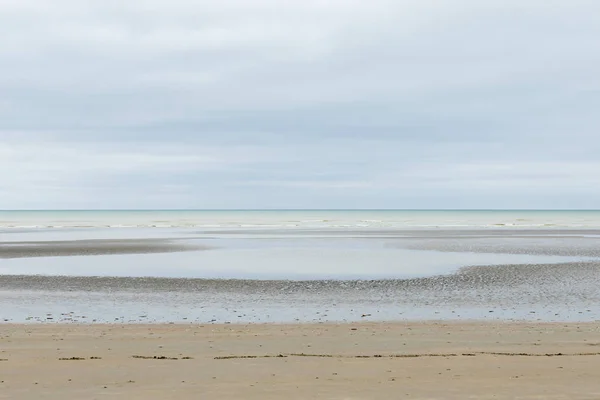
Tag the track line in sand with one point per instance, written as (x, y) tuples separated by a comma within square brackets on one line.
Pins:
[(447, 355)]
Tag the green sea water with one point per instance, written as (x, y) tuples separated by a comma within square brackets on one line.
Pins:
[(313, 219)]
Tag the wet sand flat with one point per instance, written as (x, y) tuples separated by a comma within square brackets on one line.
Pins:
[(92, 247), (544, 292), (348, 361)]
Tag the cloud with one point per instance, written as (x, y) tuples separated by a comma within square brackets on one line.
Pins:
[(327, 104)]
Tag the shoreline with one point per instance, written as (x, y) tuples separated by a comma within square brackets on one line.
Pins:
[(317, 325)]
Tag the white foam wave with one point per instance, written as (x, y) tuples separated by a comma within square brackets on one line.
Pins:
[(300, 219)]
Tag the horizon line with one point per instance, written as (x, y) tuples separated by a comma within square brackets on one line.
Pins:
[(293, 209)]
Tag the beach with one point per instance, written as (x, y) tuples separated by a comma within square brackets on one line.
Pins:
[(423, 360), (281, 200), (335, 305)]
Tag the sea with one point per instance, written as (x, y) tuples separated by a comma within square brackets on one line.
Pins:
[(290, 219), (254, 266)]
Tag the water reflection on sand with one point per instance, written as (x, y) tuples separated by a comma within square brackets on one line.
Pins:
[(302, 275)]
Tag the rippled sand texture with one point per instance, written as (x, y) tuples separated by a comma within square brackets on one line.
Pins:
[(534, 292), (353, 361)]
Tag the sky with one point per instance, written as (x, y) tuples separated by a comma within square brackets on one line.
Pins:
[(259, 104)]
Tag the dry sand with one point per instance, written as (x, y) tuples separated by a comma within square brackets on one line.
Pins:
[(355, 361)]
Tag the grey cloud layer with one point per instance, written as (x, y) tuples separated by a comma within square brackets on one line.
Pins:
[(258, 104)]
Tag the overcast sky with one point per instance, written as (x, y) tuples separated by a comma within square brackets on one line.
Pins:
[(299, 104)]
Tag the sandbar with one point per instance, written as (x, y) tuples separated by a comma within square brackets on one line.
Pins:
[(96, 247)]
